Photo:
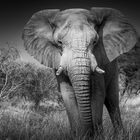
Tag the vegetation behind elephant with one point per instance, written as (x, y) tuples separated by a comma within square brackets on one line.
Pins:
[(26, 79), (129, 72), (83, 46)]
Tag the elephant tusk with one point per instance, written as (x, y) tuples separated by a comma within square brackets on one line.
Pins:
[(99, 70), (59, 71)]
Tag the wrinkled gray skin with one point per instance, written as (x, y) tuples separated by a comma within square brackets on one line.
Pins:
[(81, 45)]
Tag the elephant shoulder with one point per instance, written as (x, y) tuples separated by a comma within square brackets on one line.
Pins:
[(100, 55)]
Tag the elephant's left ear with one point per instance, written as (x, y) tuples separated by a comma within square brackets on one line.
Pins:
[(118, 35)]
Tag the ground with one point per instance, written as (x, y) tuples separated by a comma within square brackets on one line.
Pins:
[(20, 121)]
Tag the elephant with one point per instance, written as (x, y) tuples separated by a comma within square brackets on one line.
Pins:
[(82, 46)]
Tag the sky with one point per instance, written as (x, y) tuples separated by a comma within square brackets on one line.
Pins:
[(15, 14)]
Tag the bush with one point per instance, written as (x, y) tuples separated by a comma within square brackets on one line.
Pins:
[(7, 55), (129, 71), (30, 80)]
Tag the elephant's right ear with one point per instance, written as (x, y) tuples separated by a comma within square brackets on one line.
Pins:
[(38, 38)]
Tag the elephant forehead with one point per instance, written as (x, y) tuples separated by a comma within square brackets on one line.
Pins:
[(73, 14), (75, 11), (76, 18)]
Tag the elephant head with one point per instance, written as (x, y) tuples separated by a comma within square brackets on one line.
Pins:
[(66, 40)]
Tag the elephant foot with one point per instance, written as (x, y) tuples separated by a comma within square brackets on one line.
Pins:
[(99, 137), (90, 138), (120, 134), (80, 135), (89, 135)]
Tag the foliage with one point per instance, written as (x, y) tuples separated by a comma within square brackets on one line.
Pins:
[(30, 81), (24, 124), (2, 79), (7, 55), (129, 71), (26, 79), (20, 122)]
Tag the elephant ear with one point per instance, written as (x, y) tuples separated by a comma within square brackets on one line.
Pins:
[(117, 33), (38, 38)]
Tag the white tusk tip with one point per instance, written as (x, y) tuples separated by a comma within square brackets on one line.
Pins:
[(99, 70), (59, 71)]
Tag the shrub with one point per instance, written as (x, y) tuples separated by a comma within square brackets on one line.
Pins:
[(129, 71), (30, 80)]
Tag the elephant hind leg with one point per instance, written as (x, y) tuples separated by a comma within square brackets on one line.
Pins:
[(97, 102)]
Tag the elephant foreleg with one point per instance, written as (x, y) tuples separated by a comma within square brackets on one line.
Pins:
[(112, 103), (71, 107), (98, 97)]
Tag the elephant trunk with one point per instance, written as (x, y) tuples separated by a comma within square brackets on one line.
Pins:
[(79, 74)]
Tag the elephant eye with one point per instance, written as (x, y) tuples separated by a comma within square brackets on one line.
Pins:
[(94, 42), (59, 42), (59, 46)]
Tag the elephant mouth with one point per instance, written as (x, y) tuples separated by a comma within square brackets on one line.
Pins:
[(62, 69)]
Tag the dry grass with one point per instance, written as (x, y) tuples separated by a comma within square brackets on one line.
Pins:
[(21, 122)]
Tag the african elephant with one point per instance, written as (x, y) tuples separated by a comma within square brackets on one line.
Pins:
[(82, 46)]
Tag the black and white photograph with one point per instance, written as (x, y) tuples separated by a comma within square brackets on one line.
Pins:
[(70, 70)]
